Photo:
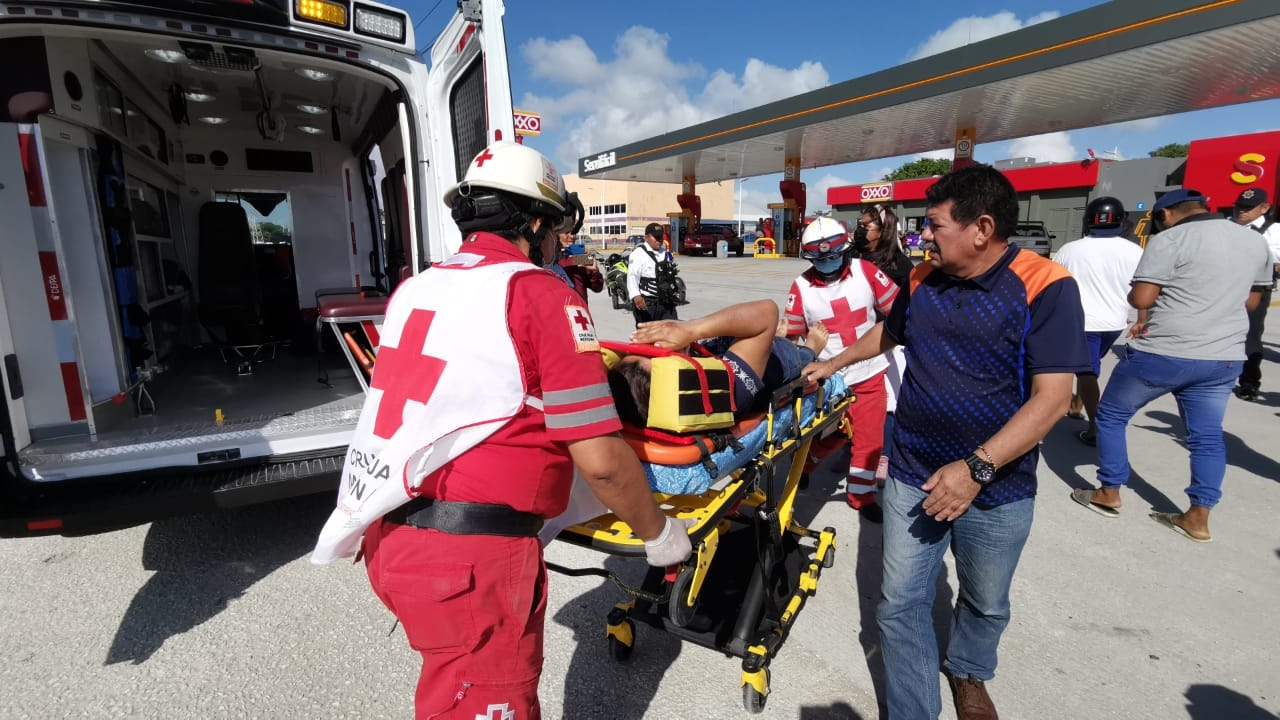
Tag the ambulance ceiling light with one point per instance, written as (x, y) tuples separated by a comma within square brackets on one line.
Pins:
[(199, 97), (313, 74), (213, 120), (313, 109), (310, 130), (166, 56)]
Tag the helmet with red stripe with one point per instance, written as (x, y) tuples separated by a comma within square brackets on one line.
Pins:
[(824, 238)]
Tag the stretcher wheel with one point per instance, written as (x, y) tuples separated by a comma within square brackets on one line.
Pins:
[(830, 558), (752, 699), (678, 612), (619, 650)]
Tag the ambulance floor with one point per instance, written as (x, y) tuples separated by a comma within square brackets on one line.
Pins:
[(281, 405)]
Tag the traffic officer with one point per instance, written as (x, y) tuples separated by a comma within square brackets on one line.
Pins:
[(649, 300), (489, 389)]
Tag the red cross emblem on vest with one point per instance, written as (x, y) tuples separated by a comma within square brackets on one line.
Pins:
[(404, 373), (844, 320)]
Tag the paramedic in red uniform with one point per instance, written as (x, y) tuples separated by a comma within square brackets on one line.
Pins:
[(461, 566), (847, 295)]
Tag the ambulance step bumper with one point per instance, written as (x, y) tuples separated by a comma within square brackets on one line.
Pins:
[(102, 504)]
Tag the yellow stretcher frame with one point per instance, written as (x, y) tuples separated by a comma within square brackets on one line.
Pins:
[(747, 497)]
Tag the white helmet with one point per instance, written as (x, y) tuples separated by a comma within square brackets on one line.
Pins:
[(823, 238), (517, 170)]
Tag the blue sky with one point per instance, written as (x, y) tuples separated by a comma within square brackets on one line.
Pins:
[(605, 73)]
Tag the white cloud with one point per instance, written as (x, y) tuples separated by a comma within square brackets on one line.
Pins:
[(973, 29), (817, 192), (642, 92), (1050, 147), (943, 154)]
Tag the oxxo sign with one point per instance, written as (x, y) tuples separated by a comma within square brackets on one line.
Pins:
[(877, 192), (527, 123)]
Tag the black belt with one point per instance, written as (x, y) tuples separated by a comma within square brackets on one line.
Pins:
[(463, 518)]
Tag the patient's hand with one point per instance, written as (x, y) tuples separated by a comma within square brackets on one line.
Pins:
[(669, 334)]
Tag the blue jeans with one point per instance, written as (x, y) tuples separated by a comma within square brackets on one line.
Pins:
[(986, 545), (1201, 388)]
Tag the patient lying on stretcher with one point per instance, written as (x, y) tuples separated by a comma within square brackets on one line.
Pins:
[(747, 337)]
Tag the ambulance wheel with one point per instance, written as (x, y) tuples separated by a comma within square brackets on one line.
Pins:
[(678, 611), (830, 558), (618, 650), (752, 700)]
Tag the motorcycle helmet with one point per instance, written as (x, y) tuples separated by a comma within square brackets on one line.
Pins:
[(1104, 217), (824, 238), (826, 243)]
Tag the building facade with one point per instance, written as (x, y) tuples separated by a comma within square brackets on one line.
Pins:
[(617, 209)]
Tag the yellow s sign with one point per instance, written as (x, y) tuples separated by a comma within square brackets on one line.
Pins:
[(1247, 169)]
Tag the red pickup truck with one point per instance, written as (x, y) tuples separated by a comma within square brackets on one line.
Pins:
[(703, 241)]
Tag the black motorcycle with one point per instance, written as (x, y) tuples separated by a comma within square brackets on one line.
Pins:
[(615, 279)]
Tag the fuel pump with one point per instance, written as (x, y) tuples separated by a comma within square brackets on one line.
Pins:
[(679, 223), (784, 227)]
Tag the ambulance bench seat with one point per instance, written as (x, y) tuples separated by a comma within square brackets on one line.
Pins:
[(229, 291)]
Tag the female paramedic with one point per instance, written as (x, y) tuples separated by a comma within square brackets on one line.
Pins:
[(488, 391)]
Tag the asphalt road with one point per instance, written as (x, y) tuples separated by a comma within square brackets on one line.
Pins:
[(222, 616)]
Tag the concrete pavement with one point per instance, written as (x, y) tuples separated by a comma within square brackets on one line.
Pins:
[(221, 616)]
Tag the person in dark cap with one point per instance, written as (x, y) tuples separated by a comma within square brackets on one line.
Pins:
[(651, 279), (1193, 288), (1253, 210)]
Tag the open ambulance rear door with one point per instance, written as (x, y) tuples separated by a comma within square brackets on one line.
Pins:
[(450, 111)]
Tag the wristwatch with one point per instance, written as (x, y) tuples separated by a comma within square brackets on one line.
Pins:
[(980, 470)]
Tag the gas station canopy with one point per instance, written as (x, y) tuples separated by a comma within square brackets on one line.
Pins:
[(1123, 60)]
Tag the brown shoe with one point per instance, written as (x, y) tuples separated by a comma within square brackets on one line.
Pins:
[(971, 699)]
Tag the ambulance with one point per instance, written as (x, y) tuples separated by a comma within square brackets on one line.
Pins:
[(204, 207)]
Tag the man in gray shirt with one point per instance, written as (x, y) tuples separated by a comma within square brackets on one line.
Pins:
[(1193, 288)]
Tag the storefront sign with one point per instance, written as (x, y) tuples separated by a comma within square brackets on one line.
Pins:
[(877, 192)]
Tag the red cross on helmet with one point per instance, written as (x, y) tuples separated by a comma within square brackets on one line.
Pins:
[(824, 238), (518, 170)]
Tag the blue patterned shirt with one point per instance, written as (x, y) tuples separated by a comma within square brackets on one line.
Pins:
[(972, 347)]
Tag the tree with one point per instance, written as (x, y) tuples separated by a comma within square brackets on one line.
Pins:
[(273, 233), (922, 168), (1172, 150)]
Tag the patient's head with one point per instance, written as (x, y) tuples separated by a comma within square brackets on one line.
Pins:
[(629, 384)]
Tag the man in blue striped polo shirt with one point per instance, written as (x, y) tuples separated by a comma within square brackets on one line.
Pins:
[(993, 336)]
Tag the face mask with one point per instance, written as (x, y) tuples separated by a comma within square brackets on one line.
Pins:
[(829, 265)]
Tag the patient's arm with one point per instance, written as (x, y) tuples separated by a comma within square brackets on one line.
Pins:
[(752, 323)]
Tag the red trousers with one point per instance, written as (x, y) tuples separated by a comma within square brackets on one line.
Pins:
[(864, 430), (473, 606)]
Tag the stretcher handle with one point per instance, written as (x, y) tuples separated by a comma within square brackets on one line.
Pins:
[(634, 592)]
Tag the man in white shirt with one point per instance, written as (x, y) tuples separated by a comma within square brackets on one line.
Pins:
[(1102, 263), (1253, 210), (649, 300)]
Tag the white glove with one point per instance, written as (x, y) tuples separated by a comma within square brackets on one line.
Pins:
[(671, 547)]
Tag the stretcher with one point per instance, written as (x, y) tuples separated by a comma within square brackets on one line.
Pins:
[(753, 565)]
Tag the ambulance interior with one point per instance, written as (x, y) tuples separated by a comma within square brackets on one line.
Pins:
[(203, 197)]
